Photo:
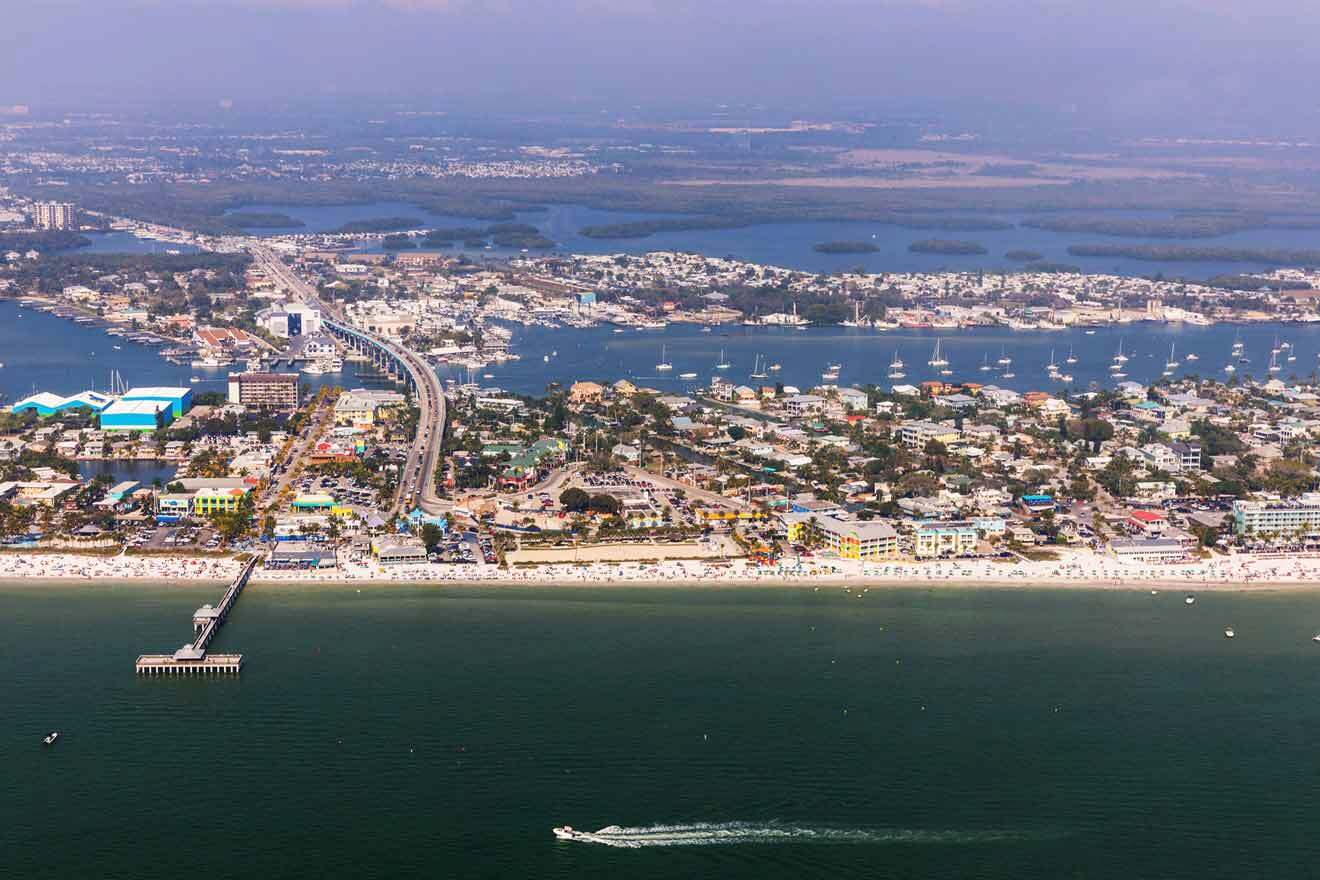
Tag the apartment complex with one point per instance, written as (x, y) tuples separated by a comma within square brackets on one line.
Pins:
[(1278, 516), (54, 215), (851, 540), (264, 390)]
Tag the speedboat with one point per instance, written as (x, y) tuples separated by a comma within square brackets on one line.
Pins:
[(1228, 632), (568, 832), (1190, 600), (687, 375), (51, 737)]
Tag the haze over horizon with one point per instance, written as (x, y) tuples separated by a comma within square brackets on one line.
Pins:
[(1169, 65)]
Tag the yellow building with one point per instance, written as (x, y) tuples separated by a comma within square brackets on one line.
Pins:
[(850, 540), (209, 501)]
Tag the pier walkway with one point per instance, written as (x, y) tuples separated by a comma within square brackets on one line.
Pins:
[(192, 658)]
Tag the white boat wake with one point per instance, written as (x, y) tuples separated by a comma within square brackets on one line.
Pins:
[(741, 833)]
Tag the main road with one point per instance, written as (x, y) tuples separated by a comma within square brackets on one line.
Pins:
[(417, 479)]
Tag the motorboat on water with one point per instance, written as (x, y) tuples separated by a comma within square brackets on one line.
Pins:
[(1190, 600), (664, 366), (687, 375), (51, 737), (1229, 633), (568, 832)]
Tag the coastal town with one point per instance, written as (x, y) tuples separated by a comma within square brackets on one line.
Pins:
[(1184, 481)]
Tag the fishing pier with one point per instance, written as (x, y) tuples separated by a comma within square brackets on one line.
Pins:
[(192, 658)]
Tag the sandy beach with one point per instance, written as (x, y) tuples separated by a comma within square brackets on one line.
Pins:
[(1073, 570)]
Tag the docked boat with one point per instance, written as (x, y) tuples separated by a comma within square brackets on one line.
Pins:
[(51, 737)]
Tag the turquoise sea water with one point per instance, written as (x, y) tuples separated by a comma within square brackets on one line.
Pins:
[(409, 732)]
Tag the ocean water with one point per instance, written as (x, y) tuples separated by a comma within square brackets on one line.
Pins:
[(864, 355), (793, 244), (742, 733), (40, 352)]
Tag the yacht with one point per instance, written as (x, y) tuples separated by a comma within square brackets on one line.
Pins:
[(1274, 363), (937, 359), (1004, 359), (1119, 375), (51, 737), (1172, 363), (618, 329), (758, 368), (722, 364), (1115, 368), (774, 368), (1191, 356), (546, 358), (1071, 358), (1190, 600), (1229, 633), (1052, 368), (664, 366), (210, 362), (195, 379), (1277, 347), (1120, 358), (1230, 369), (1009, 374), (687, 375), (1237, 345), (985, 364), (831, 372)]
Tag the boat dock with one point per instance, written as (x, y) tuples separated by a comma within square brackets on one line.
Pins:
[(192, 658)]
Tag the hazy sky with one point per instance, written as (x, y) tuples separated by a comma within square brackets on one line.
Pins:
[(1101, 60)]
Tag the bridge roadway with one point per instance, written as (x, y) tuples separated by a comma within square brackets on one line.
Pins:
[(417, 479)]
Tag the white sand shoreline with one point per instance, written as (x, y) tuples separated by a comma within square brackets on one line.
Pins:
[(1077, 571)]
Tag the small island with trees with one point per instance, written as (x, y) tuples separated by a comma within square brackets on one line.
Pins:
[(845, 247), (946, 246)]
